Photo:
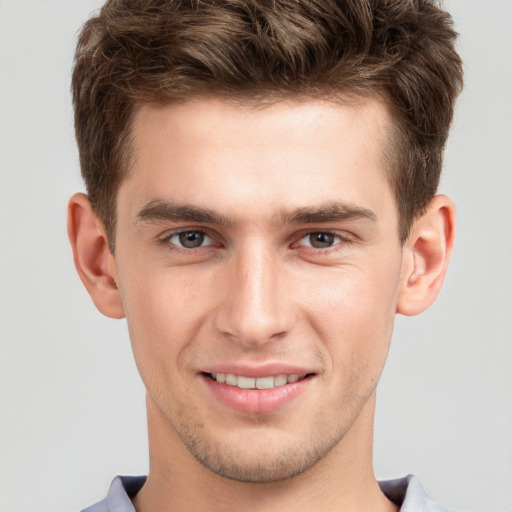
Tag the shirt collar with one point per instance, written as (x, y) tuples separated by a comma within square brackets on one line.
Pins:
[(405, 492)]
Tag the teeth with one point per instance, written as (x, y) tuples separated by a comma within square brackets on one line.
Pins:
[(253, 383), (264, 382), (230, 379), (246, 382), (280, 380)]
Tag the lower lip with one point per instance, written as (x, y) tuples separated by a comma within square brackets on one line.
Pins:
[(256, 401)]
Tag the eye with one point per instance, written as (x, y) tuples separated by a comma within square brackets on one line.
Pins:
[(320, 240), (190, 239)]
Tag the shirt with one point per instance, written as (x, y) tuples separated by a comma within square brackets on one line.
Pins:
[(406, 492)]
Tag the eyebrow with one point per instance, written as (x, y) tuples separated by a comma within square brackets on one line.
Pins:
[(162, 211), (329, 212)]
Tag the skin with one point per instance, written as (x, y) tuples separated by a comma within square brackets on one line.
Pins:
[(273, 181)]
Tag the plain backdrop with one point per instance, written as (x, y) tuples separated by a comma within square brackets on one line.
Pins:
[(72, 404)]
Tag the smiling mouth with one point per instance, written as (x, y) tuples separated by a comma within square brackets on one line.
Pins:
[(268, 382)]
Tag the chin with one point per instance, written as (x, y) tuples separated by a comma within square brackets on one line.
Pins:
[(264, 462)]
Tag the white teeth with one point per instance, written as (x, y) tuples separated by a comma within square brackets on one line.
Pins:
[(264, 382), (280, 380), (246, 382), (231, 379), (256, 383)]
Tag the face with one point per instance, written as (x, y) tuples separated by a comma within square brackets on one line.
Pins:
[(258, 260)]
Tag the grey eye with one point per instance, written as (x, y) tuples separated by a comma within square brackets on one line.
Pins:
[(320, 240), (190, 239)]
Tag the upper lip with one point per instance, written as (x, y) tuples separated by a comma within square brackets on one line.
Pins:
[(265, 370)]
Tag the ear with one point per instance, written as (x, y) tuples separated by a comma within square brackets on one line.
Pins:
[(425, 257), (93, 261)]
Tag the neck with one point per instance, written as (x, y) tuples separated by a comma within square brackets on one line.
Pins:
[(342, 481)]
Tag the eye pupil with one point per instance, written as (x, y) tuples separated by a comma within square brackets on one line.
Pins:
[(321, 240), (191, 239)]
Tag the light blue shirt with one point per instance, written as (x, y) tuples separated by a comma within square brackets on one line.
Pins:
[(406, 492)]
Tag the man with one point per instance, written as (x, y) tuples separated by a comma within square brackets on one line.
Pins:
[(261, 202)]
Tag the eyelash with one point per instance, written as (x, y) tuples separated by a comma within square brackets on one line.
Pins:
[(166, 240), (341, 240)]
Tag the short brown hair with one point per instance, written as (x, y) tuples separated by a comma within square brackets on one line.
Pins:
[(140, 51)]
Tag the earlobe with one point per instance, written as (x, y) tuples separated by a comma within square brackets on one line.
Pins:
[(93, 261), (425, 257)]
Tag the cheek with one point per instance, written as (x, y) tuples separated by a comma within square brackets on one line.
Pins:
[(353, 312), (164, 311)]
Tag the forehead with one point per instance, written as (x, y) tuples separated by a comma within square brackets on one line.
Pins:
[(205, 119), (287, 154)]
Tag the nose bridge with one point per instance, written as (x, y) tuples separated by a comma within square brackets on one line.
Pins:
[(255, 308)]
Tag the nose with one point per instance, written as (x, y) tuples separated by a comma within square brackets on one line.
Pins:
[(256, 307)]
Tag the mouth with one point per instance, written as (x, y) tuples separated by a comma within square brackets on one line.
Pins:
[(258, 389), (261, 394), (265, 382)]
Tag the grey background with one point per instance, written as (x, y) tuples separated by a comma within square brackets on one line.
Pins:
[(72, 405)]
